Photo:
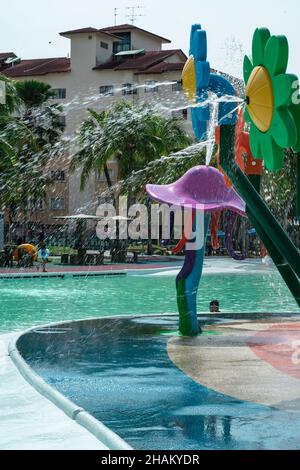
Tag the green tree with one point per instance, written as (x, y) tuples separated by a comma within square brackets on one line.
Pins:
[(33, 93), (279, 191), (131, 135), (29, 131)]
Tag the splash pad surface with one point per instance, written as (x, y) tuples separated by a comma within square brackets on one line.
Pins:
[(143, 386)]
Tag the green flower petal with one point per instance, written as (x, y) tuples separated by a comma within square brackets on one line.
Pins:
[(248, 67), (276, 55), (260, 39), (273, 155), (255, 136), (284, 89), (283, 128)]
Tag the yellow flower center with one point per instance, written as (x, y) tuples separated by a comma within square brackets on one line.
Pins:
[(189, 79), (260, 98)]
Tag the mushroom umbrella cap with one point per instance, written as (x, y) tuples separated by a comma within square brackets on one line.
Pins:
[(202, 188)]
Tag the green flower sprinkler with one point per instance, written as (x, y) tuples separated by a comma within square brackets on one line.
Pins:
[(270, 92)]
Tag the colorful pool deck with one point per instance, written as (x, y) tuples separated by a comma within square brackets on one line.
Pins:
[(254, 361), (218, 265), (106, 268)]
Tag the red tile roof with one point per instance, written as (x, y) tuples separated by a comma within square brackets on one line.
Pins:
[(130, 27), (145, 62), (149, 62), (30, 67), (87, 30), (165, 67)]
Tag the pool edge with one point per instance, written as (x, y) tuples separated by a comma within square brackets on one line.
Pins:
[(95, 427), (88, 273)]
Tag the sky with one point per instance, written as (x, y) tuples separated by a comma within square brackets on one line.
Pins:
[(31, 28)]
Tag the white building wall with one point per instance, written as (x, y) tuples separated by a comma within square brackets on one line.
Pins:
[(140, 40), (102, 54), (83, 52)]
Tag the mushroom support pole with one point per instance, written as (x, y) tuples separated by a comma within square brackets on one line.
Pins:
[(188, 280), (282, 250)]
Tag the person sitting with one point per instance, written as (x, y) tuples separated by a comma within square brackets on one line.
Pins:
[(214, 306), (43, 255)]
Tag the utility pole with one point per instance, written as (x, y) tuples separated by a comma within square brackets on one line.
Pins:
[(116, 14), (133, 15)]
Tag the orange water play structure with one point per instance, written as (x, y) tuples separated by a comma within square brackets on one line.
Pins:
[(28, 248), (243, 155)]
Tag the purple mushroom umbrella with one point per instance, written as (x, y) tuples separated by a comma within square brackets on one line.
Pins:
[(203, 190)]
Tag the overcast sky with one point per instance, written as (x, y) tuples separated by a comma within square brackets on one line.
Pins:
[(30, 27)]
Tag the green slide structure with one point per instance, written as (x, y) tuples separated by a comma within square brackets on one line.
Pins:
[(273, 112), (280, 247)]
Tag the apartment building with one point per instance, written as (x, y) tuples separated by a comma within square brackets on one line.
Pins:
[(105, 65)]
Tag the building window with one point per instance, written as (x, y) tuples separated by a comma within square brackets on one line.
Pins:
[(60, 93), (57, 175), (151, 86), (102, 177), (36, 205), (129, 89), (177, 86), (39, 205), (181, 115), (57, 204), (104, 45), (106, 90), (124, 44)]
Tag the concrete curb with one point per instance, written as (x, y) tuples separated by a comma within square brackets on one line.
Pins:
[(78, 414), (78, 274)]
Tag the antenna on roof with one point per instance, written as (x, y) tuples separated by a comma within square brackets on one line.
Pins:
[(116, 14), (132, 14)]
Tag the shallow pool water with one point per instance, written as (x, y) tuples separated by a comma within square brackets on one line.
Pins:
[(240, 287), (119, 371)]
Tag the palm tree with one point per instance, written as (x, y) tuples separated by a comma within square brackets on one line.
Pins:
[(33, 93), (12, 99), (6, 109), (134, 136), (8, 124), (29, 128), (131, 135)]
